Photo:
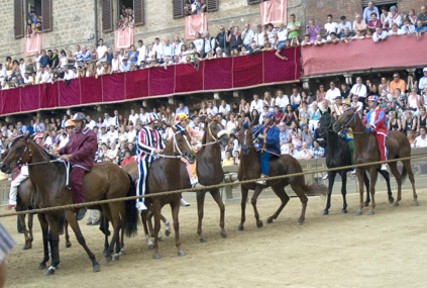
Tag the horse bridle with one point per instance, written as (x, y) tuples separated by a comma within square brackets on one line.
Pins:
[(176, 147), (219, 135)]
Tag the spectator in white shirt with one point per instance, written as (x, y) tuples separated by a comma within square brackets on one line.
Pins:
[(343, 24), (115, 63), (108, 121), (281, 100), (332, 93), (359, 89), (28, 79), (158, 49), (259, 36), (209, 44), (224, 108), (330, 26), (125, 66), (168, 49), (101, 51), (142, 51), (394, 31), (379, 35), (112, 135), (143, 116), (367, 12), (247, 35), (198, 43), (256, 104), (212, 109), (421, 141), (177, 45), (90, 122), (69, 74), (393, 17), (133, 117)]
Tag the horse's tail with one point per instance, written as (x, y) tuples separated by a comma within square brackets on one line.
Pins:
[(404, 173), (316, 190), (130, 221)]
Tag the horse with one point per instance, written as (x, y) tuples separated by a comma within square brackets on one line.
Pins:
[(285, 164), (168, 173), (367, 151), (49, 177), (209, 171), (338, 155)]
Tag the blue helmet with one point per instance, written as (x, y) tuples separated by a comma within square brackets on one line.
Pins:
[(269, 114)]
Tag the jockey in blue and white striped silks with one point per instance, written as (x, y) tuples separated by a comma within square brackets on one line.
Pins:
[(149, 142)]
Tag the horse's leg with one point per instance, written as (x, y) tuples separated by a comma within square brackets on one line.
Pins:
[(175, 205), (344, 191), (147, 231), (71, 218), (200, 211), (386, 177), (167, 225), (360, 178), (104, 226), (398, 177), (408, 167), (217, 197), (373, 175), (298, 189), (115, 209), (367, 185), (30, 228), (54, 228), (67, 236), (244, 192), (156, 212), (45, 235), (279, 190), (331, 180), (254, 198), (21, 219)]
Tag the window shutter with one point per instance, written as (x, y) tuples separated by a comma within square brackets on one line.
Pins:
[(107, 15), (213, 5), (138, 10), (46, 15), (18, 10), (178, 8), (379, 3), (252, 2)]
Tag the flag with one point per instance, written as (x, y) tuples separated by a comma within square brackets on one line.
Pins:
[(123, 38), (33, 44), (195, 23), (274, 12)]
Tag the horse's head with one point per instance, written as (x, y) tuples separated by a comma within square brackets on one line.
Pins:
[(325, 125), (218, 132), (182, 146), (346, 120), (246, 140), (17, 153)]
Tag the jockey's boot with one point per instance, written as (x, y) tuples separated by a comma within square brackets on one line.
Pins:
[(80, 214), (384, 167), (141, 206), (184, 203), (262, 180)]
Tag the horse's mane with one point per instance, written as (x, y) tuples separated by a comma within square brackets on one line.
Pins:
[(43, 150)]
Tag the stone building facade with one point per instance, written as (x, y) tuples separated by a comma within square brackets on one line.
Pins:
[(81, 22)]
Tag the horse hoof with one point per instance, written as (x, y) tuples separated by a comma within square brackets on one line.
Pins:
[(366, 204), (26, 247), (167, 233), (108, 258), (96, 268), (371, 212), (150, 245), (181, 253), (300, 222), (344, 211), (259, 224), (156, 256), (223, 234), (122, 251), (116, 257), (67, 245), (359, 213), (270, 220), (50, 271), (390, 200), (240, 228), (396, 204), (416, 203), (42, 266), (203, 240), (325, 212)]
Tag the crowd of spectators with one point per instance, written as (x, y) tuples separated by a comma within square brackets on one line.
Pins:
[(54, 65), (126, 18), (192, 7), (34, 23), (297, 115)]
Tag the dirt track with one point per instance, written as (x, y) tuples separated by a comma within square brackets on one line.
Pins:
[(384, 250)]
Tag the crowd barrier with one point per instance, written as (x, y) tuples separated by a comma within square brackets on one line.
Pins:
[(364, 55), (211, 75)]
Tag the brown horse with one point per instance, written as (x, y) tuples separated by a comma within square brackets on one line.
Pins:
[(367, 151), (285, 164), (209, 171), (165, 174), (104, 181)]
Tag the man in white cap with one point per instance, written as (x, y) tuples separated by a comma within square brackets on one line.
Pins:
[(423, 81)]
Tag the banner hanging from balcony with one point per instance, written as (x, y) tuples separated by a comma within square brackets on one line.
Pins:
[(195, 23), (123, 38), (362, 55), (225, 74), (274, 12), (33, 44)]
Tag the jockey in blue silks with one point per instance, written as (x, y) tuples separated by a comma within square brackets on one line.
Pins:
[(268, 144)]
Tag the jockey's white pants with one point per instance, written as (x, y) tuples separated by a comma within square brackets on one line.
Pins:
[(14, 187)]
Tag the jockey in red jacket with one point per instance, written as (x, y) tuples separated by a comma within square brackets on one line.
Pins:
[(376, 124)]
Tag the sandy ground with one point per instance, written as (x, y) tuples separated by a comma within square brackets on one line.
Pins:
[(384, 250)]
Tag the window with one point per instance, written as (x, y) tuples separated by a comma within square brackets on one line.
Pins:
[(183, 8), (252, 2), (32, 16), (130, 12)]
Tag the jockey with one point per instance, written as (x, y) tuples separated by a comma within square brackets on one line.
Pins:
[(19, 174), (80, 151), (149, 143), (269, 144), (376, 124)]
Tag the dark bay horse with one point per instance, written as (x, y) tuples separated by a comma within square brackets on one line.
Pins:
[(104, 181), (285, 164), (366, 151), (168, 173), (338, 155), (209, 171)]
